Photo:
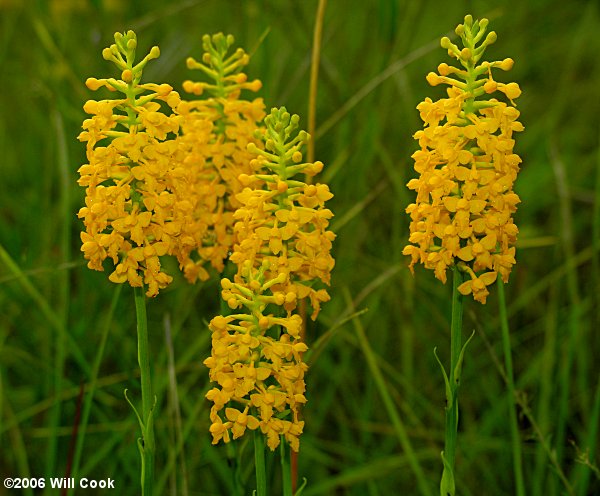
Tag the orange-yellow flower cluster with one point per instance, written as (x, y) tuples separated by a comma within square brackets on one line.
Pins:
[(282, 251), (161, 180), (132, 214), (467, 168), (215, 134)]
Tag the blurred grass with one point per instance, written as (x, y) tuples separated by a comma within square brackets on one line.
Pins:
[(374, 58)]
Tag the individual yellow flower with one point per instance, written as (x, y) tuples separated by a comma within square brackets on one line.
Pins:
[(132, 214), (467, 168), (282, 253), (215, 133)]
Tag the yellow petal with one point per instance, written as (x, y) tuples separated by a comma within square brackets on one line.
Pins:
[(263, 233), (476, 206), (275, 245), (466, 253), (478, 225), (488, 278), (232, 414), (161, 248), (462, 173), (451, 202), (489, 241), (465, 288), (289, 230), (253, 422), (262, 373), (118, 278), (282, 215)]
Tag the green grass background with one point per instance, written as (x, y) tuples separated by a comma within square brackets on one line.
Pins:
[(374, 58)]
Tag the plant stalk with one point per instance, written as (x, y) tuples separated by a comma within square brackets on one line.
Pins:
[(147, 447), (259, 464), (286, 469), (447, 485)]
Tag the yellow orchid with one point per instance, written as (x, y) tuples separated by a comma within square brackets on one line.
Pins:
[(467, 168)]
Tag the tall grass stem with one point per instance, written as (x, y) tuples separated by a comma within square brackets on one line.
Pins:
[(175, 408), (49, 314), (392, 411), (60, 352), (314, 78), (514, 426), (89, 398), (594, 424), (572, 331)]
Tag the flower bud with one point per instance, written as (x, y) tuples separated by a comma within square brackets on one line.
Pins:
[(443, 69), (127, 75), (154, 53), (507, 64)]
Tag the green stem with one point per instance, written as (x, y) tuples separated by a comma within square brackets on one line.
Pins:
[(514, 427), (447, 485), (259, 463), (286, 469), (147, 446)]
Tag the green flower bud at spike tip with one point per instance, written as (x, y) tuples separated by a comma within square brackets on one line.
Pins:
[(491, 38), (446, 43), (224, 68)]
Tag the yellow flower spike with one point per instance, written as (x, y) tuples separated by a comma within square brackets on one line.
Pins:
[(132, 214), (467, 168), (216, 131), (282, 253)]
